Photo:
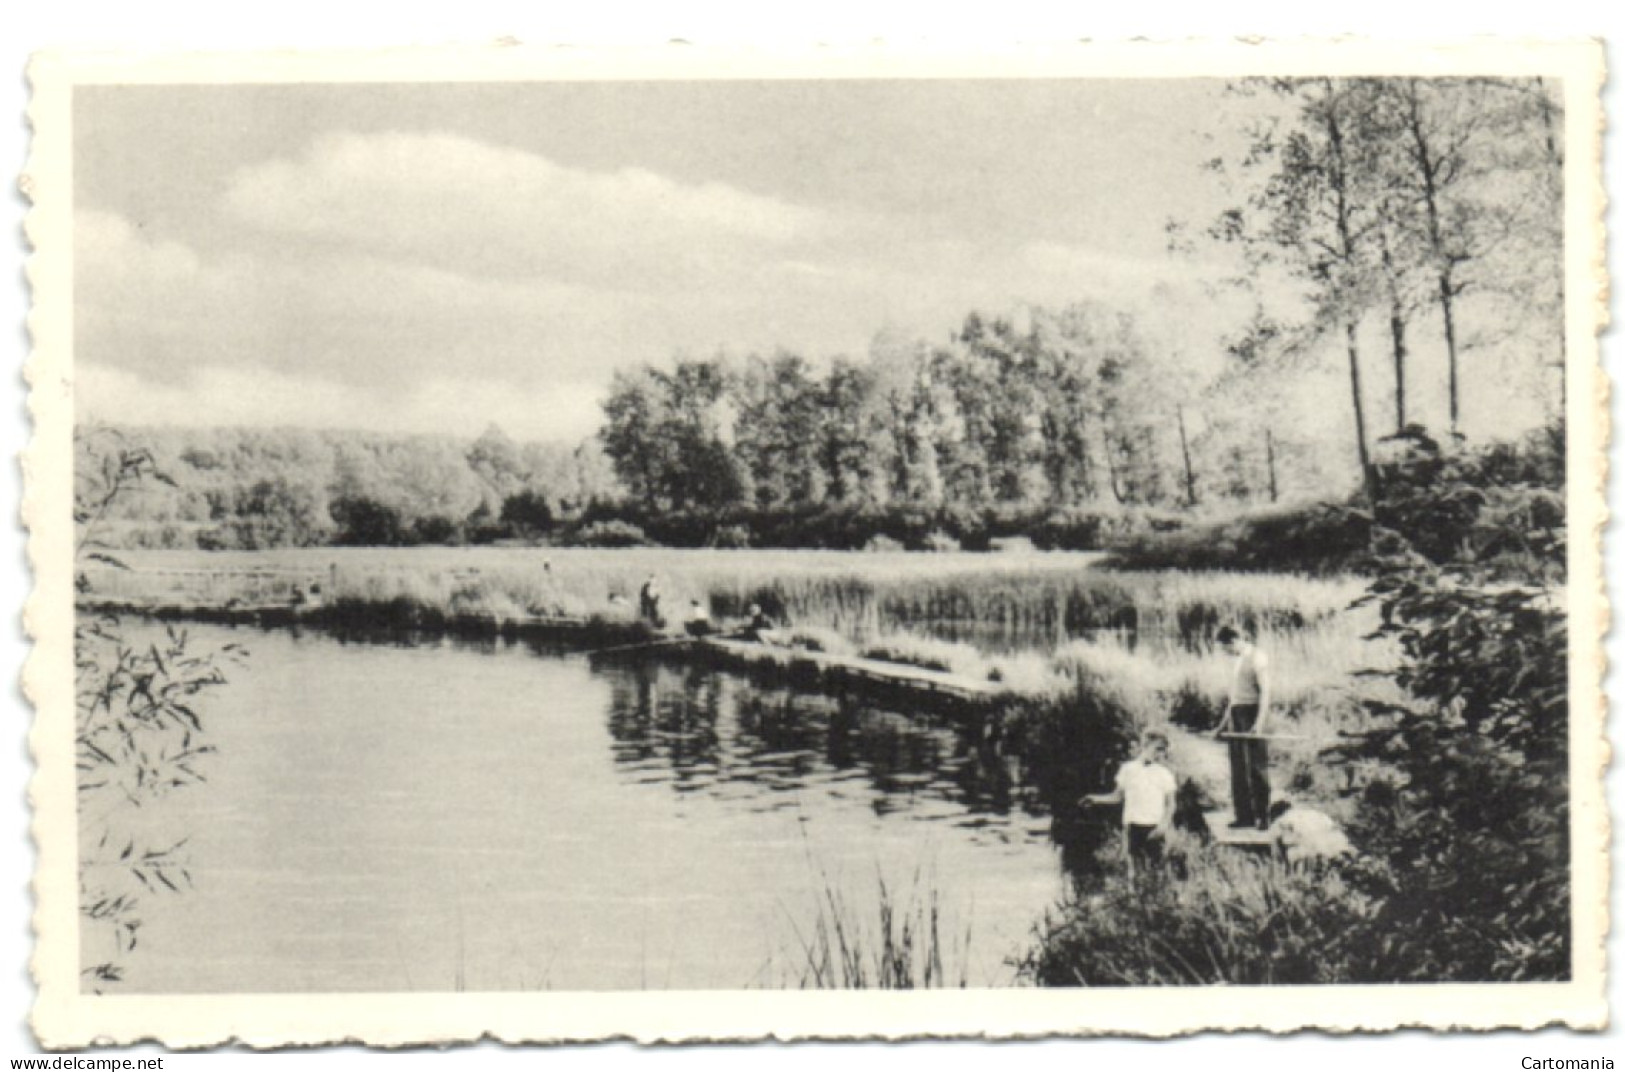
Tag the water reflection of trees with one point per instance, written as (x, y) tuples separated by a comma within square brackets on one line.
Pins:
[(662, 715), (706, 728)]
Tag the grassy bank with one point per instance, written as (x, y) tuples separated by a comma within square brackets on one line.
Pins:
[(1226, 918), (1313, 538), (1047, 598), (1142, 639)]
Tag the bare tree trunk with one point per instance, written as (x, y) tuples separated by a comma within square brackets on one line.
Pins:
[(1367, 474), (1111, 465), (1339, 183), (1447, 294), (1269, 462), (1086, 473), (1554, 159), (1396, 329), (1185, 449), (1427, 166)]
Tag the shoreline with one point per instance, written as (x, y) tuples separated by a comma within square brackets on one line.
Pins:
[(831, 674)]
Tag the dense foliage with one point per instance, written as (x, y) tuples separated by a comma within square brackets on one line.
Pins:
[(1458, 791), (1049, 410), (255, 489), (1470, 813)]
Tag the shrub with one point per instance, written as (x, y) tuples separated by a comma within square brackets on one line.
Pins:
[(1314, 538), (365, 522), (436, 529), (610, 534), (731, 537), (1205, 916), (1471, 810), (527, 513)]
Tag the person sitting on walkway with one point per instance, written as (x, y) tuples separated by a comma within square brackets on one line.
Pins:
[(759, 627), (1243, 725), (1146, 788), (697, 623), (1306, 835)]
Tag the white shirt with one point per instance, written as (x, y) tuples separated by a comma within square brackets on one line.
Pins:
[(1245, 685), (1147, 789)]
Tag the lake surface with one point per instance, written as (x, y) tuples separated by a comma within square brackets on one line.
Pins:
[(430, 814)]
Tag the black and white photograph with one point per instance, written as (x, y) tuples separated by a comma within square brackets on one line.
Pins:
[(1087, 537)]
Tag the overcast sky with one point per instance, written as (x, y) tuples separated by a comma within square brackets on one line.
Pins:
[(432, 258)]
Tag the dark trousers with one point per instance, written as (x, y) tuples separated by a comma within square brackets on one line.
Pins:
[(1142, 847), (1249, 770)]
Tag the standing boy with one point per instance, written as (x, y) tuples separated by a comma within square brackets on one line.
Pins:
[(1146, 787), (1245, 718)]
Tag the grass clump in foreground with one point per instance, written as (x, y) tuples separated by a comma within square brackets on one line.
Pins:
[(896, 943), (1209, 916)]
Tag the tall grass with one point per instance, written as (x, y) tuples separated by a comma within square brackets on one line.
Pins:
[(1052, 596), (892, 943), (1143, 642), (1215, 916)]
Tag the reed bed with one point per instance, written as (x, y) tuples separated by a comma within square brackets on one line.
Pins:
[(1052, 596), (1226, 918), (898, 940), (1143, 639)]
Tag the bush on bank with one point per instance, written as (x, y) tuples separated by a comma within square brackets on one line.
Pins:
[(1459, 788)]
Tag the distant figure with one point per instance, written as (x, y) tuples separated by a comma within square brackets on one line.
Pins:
[(1245, 718), (1305, 834), (649, 602), (547, 565), (1147, 789), (307, 599), (759, 627), (697, 622)]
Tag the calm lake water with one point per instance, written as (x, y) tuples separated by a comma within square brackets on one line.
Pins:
[(433, 815)]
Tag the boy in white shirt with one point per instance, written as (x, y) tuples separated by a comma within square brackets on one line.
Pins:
[(1147, 788)]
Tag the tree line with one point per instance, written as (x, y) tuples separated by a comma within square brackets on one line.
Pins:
[(1076, 407), (1420, 213), (250, 489), (1403, 234)]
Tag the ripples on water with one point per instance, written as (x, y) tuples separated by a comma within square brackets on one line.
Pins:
[(394, 814)]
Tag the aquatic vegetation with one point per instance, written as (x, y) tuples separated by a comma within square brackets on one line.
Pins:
[(899, 940), (1207, 916)]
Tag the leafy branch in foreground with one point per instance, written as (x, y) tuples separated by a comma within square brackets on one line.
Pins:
[(138, 733)]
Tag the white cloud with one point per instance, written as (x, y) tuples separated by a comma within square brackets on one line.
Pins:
[(403, 279), (447, 200), (221, 396)]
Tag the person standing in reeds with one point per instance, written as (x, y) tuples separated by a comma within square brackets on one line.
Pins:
[(1146, 788), (1246, 716), (649, 602)]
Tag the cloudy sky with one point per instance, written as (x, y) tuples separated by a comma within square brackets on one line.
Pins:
[(432, 258)]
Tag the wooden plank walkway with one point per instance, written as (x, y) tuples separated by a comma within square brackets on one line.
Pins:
[(628, 638), (871, 671), (1245, 837)]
